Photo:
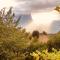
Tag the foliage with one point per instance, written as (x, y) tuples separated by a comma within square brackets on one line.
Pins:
[(45, 55), (35, 34), (57, 8), (44, 33), (17, 44), (13, 40), (54, 41)]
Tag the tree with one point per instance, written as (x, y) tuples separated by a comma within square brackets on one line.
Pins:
[(13, 40), (35, 34), (44, 33), (57, 8)]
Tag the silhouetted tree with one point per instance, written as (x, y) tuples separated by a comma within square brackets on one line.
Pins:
[(35, 34), (44, 33)]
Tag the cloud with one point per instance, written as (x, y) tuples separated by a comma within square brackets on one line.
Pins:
[(45, 21), (55, 26), (7, 3), (35, 5)]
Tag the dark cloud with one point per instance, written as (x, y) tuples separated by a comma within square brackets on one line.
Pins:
[(34, 5)]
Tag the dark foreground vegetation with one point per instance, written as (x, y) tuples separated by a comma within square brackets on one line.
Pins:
[(17, 44)]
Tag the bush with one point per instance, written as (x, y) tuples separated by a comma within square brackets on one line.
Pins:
[(45, 55), (54, 42)]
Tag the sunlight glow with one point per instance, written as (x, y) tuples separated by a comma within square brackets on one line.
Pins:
[(7, 3), (45, 17), (42, 21)]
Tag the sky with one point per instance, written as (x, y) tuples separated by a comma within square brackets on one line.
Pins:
[(36, 14)]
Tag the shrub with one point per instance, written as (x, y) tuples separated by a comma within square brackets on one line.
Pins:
[(45, 55), (54, 41)]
